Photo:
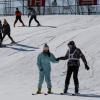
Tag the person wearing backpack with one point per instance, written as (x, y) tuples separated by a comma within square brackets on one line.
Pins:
[(73, 55)]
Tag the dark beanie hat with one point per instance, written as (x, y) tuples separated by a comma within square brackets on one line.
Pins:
[(46, 46), (71, 43)]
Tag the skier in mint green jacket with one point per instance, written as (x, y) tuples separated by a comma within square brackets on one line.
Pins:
[(43, 62)]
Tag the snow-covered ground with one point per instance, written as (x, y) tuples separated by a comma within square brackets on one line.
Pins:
[(18, 69)]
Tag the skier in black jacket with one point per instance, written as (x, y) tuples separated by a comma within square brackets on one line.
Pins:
[(73, 55), (0, 33), (6, 31), (33, 15)]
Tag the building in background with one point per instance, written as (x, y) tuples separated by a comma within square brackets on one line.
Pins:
[(48, 7), (87, 6)]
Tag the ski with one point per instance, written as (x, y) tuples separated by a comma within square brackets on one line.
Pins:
[(15, 43), (81, 95), (70, 94), (37, 93), (42, 93), (10, 44), (57, 94), (23, 26), (73, 94), (48, 93), (30, 26), (45, 93), (39, 26), (2, 46)]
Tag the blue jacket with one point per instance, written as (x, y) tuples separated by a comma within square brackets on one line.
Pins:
[(43, 61)]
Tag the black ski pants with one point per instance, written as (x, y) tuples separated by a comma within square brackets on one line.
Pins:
[(72, 70), (18, 18), (0, 38), (8, 36), (35, 18)]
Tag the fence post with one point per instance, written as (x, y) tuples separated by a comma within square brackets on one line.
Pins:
[(23, 7)]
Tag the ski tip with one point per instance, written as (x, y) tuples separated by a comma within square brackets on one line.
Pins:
[(62, 93), (73, 94), (33, 94), (2, 46), (45, 93)]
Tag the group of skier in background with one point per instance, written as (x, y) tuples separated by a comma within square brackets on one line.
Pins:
[(6, 30), (73, 56), (31, 13)]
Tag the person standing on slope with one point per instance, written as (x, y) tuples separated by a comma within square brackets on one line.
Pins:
[(0, 33), (6, 31), (33, 15), (18, 17), (73, 55), (43, 62)]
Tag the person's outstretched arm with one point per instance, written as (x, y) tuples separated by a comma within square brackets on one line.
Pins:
[(64, 57), (53, 58)]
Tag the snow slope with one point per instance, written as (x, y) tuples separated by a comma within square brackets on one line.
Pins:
[(18, 69)]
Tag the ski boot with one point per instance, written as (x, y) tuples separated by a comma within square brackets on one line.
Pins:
[(65, 90), (49, 91), (13, 42), (14, 24), (39, 91), (76, 89), (39, 25)]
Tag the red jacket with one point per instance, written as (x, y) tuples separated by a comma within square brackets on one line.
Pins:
[(18, 13)]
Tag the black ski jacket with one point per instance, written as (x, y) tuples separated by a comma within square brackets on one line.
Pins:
[(0, 28), (6, 29), (73, 56)]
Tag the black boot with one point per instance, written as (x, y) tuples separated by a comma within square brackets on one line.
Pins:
[(76, 89), (49, 91), (13, 42), (65, 90), (38, 24), (39, 91)]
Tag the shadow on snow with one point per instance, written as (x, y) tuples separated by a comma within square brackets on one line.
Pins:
[(82, 95), (21, 47)]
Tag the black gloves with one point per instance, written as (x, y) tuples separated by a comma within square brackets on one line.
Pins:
[(41, 69), (57, 59), (87, 67)]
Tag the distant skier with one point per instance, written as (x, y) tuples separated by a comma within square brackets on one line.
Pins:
[(18, 17), (73, 55), (33, 15), (6, 31), (0, 33), (43, 62)]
